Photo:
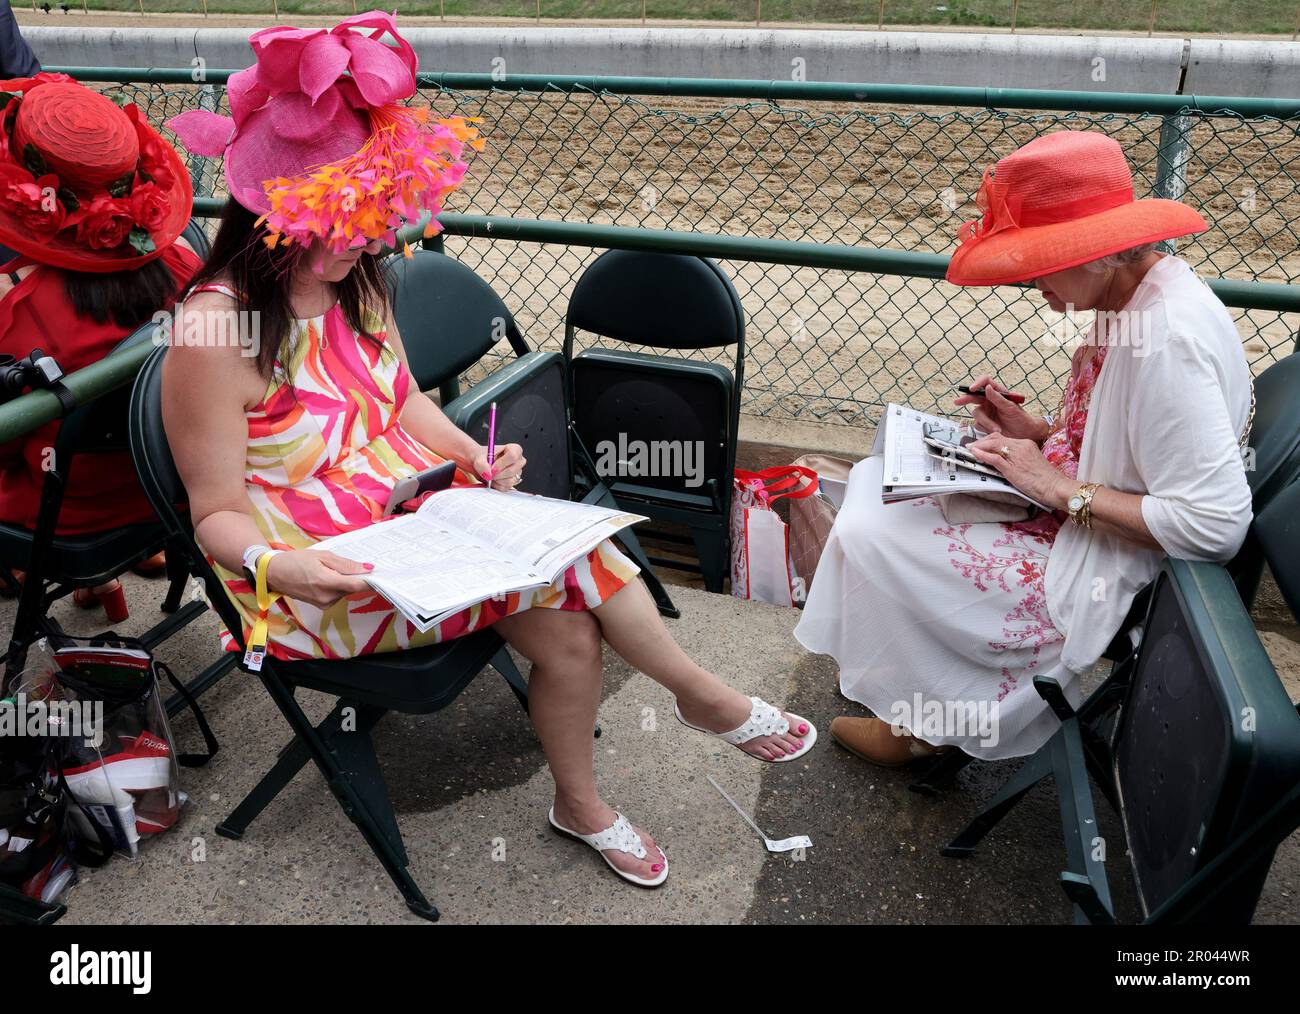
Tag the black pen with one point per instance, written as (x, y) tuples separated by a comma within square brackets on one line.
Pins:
[(1019, 399)]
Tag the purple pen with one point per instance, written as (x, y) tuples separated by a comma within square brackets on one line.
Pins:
[(492, 442)]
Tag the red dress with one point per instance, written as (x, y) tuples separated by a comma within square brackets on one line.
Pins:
[(104, 492)]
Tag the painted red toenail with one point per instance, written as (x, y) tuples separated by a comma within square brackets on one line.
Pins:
[(803, 728), (656, 868)]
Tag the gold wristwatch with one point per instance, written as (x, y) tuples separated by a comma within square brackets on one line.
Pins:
[(1080, 504)]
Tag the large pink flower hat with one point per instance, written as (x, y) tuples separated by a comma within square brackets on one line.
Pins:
[(320, 142)]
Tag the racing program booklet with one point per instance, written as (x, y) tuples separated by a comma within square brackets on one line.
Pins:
[(469, 544), (913, 469)]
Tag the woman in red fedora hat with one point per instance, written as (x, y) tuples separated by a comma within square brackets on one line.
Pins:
[(940, 623), (307, 439), (92, 201)]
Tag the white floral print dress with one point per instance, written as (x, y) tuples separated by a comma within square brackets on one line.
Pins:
[(941, 628)]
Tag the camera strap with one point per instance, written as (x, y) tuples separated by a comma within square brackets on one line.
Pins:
[(67, 400)]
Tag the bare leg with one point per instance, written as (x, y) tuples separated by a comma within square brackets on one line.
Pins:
[(631, 624), (563, 693)]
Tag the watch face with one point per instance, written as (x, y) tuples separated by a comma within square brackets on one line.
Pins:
[(1076, 502)]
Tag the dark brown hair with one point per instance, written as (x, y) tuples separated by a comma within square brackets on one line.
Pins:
[(127, 298), (260, 275)]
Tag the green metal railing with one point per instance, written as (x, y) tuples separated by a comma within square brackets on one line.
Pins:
[(744, 88), (39, 407), (833, 207)]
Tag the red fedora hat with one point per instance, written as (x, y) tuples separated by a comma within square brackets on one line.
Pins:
[(1062, 200), (85, 184)]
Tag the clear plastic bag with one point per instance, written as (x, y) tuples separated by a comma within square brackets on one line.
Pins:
[(125, 777), (35, 860)]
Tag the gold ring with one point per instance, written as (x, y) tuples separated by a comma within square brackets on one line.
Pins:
[(1005, 451)]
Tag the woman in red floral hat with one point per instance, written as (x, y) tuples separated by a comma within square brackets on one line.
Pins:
[(93, 202)]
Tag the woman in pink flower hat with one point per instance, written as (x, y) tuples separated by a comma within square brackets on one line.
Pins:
[(305, 441), (93, 201)]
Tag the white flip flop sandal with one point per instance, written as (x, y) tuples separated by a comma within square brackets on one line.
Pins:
[(764, 720), (621, 837)]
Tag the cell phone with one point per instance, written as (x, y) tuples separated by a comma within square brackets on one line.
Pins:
[(429, 481), (963, 457), (950, 433)]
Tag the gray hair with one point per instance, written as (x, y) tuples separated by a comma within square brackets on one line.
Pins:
[(1118, 260)]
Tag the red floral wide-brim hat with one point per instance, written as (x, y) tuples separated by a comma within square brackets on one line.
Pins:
[(85, 184)]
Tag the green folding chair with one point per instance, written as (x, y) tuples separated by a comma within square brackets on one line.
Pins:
[(1273, 461), (365, 689), (621, 398), (196, 236), (54, 565), (1206, 765)]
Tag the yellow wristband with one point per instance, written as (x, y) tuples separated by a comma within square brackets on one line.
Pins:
[(256, 650)]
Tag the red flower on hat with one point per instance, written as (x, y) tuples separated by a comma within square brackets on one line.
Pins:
[(105, 223), (154, 164), (34, 202), (149, 207)]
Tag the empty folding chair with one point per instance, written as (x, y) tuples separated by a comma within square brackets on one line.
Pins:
[(636, 413)]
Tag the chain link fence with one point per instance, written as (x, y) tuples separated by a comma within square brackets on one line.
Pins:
[(825, 344)]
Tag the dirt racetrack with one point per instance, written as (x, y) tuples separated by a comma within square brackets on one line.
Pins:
[(829, 344), (826, 344)]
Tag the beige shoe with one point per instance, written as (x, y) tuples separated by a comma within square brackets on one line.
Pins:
[(879, 742)]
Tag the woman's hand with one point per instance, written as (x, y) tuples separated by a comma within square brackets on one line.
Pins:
[(504, 473), (996, 413), (315, 576), (1022, 464)]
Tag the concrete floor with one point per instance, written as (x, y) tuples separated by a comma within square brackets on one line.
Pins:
[(471, 791)]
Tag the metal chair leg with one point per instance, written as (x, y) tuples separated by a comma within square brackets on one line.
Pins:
[(202, 682), (354, 795), (941, 772), (505, 665), (292, 760), (601, 496), (1085, 881), (711, 547), (1035, 769), (179, 579)]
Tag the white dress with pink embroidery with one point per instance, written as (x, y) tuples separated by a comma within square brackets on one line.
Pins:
[(941, 628)]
